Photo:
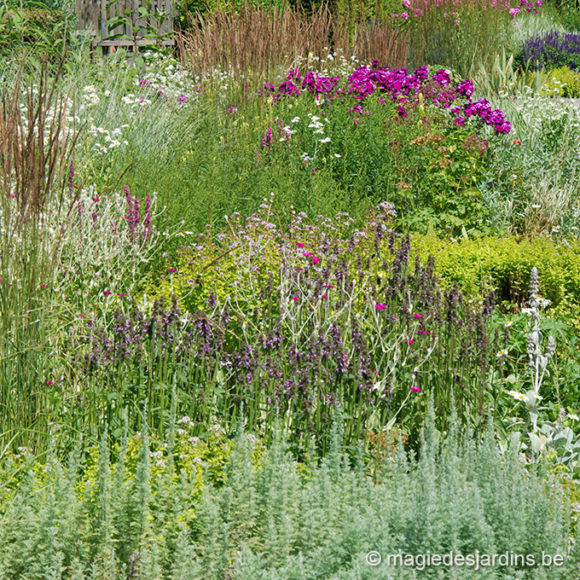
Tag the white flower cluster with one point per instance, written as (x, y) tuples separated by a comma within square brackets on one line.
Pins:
[(135, 101), (105, 139), (89, 97), (166, 78), (329, 64), (316, 124)]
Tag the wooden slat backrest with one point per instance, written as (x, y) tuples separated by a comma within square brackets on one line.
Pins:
[(104, 18), (94, 15), (88, 15)]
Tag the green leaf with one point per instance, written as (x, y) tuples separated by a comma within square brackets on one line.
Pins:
[(536, 443)]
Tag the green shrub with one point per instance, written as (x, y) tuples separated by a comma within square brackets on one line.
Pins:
[(570, 16), (562, 82), (32, 28), (504, 265), (413, 155), (478, 265)]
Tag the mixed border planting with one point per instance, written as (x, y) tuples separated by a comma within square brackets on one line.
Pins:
[(289, 302)]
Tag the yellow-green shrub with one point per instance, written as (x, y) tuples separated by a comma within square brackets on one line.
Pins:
[(242, 264), (504, 264), (562, 82), (199, 460), (477, 265), (221, 271)]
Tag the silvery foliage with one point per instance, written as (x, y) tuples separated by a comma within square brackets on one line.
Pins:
[(550, 437)]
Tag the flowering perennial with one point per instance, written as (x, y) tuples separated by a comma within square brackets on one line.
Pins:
[(552, 50), (400, 86)]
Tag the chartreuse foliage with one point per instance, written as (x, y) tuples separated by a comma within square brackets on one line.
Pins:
[(562, 82), (477, 265), (504, 264), (149, 513), (280, 324)]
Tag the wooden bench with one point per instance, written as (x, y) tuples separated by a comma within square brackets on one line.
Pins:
[(127, 23)]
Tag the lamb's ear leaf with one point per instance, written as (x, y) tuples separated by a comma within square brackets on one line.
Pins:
[(537, 442)]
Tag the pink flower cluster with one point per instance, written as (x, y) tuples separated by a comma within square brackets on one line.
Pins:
[(315, 259), (401, 85), (495, 118), (528, 5), (268, 139), (134, 217), (397, 85), (315, 84)]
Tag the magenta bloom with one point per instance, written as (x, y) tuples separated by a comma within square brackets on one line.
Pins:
[(300, 244), (121, 295), (417, 316), (315, 259), (416, 389), (44, 286), (172, 270), (268, 139), (380, 306), (324, 296), (296, 298), (133, 216), (410, 341), (107, 292)]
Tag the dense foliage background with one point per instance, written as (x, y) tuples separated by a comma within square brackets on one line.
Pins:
[(312, 274)]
